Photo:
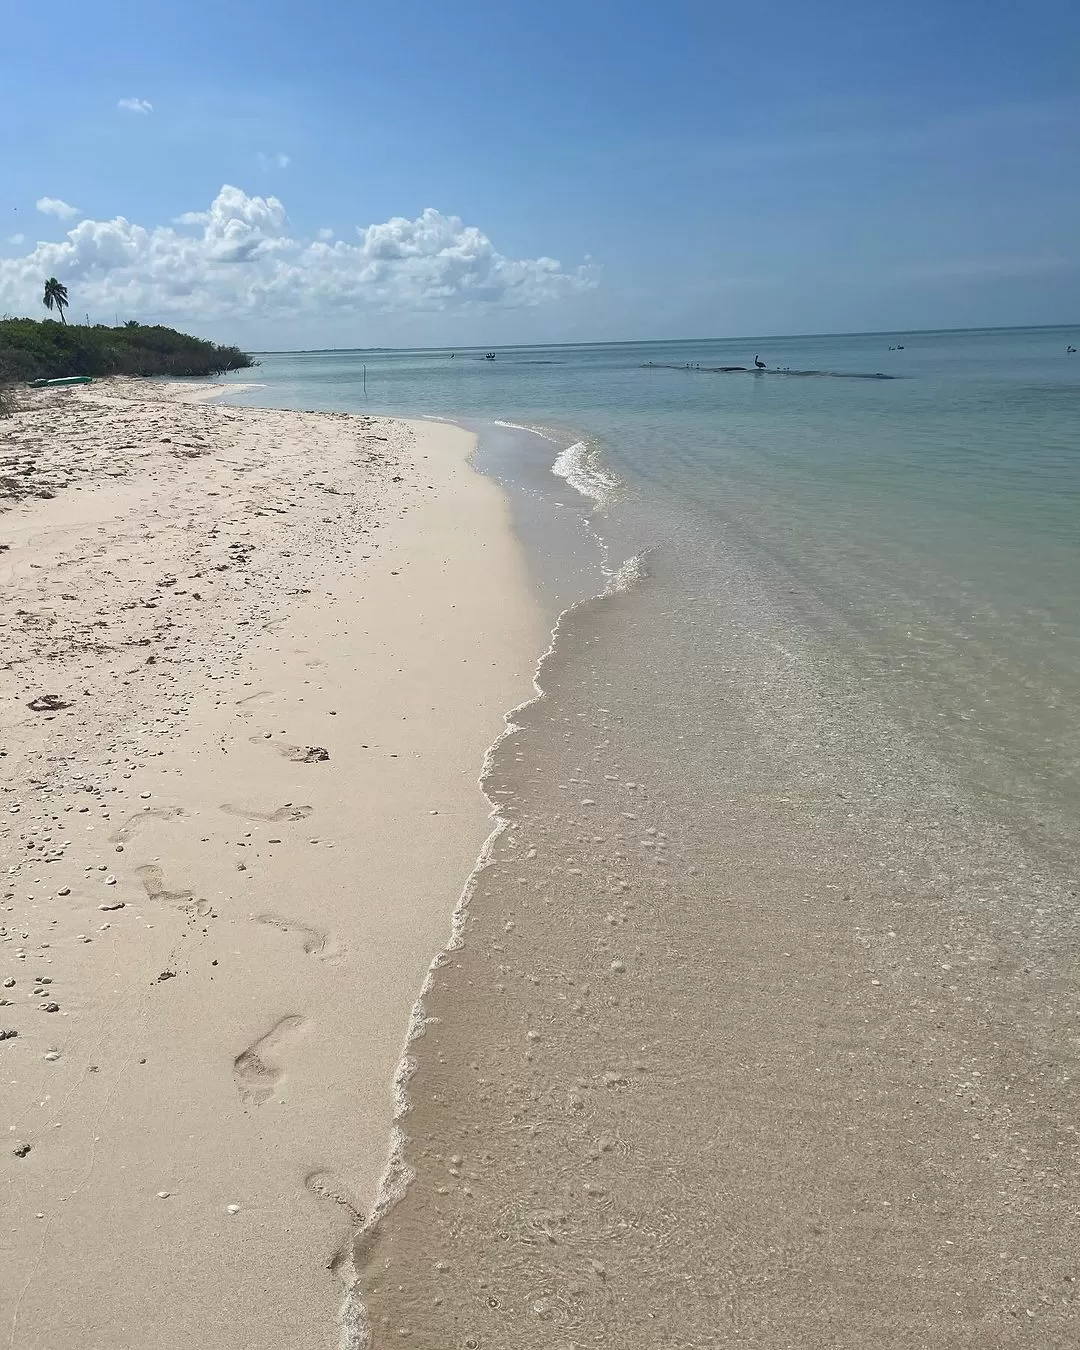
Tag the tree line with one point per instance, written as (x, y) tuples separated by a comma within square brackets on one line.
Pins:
[(33, 350)]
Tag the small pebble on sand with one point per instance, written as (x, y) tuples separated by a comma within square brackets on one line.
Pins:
[(232, 1209), (163, 1195)]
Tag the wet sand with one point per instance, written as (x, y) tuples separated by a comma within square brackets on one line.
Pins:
[(759, 1034), (251, 662)]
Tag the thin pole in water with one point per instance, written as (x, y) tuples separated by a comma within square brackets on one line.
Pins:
[(365, 379)]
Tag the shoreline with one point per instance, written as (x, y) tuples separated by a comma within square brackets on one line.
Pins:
[(722, 889), (399, 1174), (228, 1034), (719, 1064)]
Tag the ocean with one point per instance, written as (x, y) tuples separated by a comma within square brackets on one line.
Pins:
[(762, 1020)]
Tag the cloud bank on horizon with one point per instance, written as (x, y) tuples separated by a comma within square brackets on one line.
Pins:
[(237, 259)]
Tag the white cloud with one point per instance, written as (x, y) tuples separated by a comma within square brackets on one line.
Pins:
[(16, 238), (280, 160), (324, 233), (237, 260), (53, 206), (135, 105)]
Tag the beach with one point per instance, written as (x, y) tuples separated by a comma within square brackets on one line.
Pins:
[(252, 662), (608, 883), (761, 1027)]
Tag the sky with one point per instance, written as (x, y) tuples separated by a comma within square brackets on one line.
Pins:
[(343, 173)]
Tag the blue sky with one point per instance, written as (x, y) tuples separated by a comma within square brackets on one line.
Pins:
[(695, 169)]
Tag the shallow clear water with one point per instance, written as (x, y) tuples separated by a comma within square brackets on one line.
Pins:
[(925, 528)]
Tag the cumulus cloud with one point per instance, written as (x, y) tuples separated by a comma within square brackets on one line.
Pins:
[(53, 206), (324, 233), (237, 259), (135, 105)]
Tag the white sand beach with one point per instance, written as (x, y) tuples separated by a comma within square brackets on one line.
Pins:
[(251, 663)]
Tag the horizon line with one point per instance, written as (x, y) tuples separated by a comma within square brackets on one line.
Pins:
[(655, 342)]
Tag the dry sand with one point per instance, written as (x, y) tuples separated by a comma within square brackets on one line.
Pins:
[(251, 661)]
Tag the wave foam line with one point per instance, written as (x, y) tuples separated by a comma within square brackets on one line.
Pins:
[(521, 426), (395, 1180), (579, 464)]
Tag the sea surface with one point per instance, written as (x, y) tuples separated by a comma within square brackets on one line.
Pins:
[(762, 1020), (925, 527)]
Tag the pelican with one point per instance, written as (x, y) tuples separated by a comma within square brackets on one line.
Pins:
[(760, 363)]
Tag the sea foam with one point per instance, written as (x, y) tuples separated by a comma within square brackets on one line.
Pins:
[(579, 464)]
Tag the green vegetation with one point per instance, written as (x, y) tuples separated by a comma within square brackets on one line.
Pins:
[(30, 350), (55, 297)]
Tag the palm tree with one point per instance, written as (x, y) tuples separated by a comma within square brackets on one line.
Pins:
[(55, 296)]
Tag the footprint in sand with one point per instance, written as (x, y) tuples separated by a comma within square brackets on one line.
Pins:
[(247, 707), (154, 884), (254, 1071), (301, 754), (122, 834), (263, 696), (325, 1186), (288, 812), (316, 942)]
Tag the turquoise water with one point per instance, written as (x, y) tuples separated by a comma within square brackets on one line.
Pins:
[(916, 537)]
